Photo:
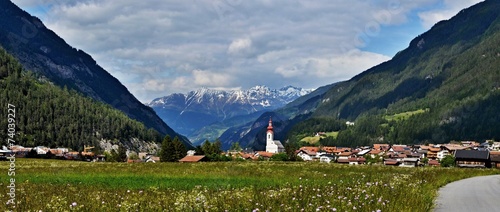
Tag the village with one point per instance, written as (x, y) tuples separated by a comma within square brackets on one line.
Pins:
[(470, 154)]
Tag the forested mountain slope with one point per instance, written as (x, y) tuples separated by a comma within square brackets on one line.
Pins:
[(47, 115), (42, 51)]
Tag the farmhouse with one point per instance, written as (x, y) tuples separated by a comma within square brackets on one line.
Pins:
[(472, 158), (327, 158), (495, 159)]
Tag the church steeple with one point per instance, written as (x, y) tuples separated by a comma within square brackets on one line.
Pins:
[(270, 127), (270, 132)]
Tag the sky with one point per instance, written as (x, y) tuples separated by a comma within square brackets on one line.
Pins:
[(159, 47)]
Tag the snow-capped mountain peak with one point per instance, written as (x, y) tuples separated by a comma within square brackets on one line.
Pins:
[(189, 112)]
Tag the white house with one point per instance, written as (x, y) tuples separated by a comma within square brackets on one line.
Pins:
[(441, 154), (306, 155), (326, 158), (273, 146)]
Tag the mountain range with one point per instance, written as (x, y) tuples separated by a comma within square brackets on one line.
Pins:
[(448, 78), (201, 114)]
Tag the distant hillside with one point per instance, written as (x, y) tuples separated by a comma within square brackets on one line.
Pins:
[(47, 115), (453, 70), (205, 113), (451, 73), (42, 51)]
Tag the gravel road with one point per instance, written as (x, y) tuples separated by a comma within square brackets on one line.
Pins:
[(475, 194)]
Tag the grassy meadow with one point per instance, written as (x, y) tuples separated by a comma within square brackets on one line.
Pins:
[(52, 185)]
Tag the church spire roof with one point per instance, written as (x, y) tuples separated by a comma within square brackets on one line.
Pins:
[(270, 127)]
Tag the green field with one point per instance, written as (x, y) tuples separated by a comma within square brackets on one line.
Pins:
[(405, 115), (315, 139), (50, 185)]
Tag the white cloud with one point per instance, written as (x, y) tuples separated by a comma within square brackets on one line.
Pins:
[(450, 9), (158, 47), (240, 46)]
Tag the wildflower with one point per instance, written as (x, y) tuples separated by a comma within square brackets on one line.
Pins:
[(255, 210), (378, 210), (73, 204), (334, 209)]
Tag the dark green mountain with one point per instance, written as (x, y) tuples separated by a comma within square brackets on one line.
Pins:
[(46, 115), (40, 50), (452, 72), (447, 80)]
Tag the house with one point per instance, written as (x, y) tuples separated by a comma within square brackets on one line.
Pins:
[(441, 154), (375, 152), (326, 158), (363, 152), (41, 150), (152, 159), (193, 159), (495, 159), (382, 147), (495, 146), (400, 148), (410, 162), (433, 163), (272, 146), (356, 160), (432, 152), (306, 155), (470, 143), (391, 162), (264, 155), (472, 158)]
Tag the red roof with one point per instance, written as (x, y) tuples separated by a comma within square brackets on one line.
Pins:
[(310, 148), (265, 154), (381, 146), (433, 163), (342, 160), (194, 158), (345, 154)]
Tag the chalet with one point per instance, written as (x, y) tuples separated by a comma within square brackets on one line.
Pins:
[(193, 159), (152, 159), (470, 143), (363, 152), (326, 158), (375, 152), (382, 147), (495, 159), (391, 162), (472, 158), (306, 155), (495, 146), (443, 153), (400, 149), (356, 160), (410, 162), (264, 155), (432, 152), (433, 163)]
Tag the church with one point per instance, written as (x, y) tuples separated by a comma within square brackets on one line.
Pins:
[(272, 146)]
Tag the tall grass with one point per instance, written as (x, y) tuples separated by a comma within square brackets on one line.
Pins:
[(49, 185)]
